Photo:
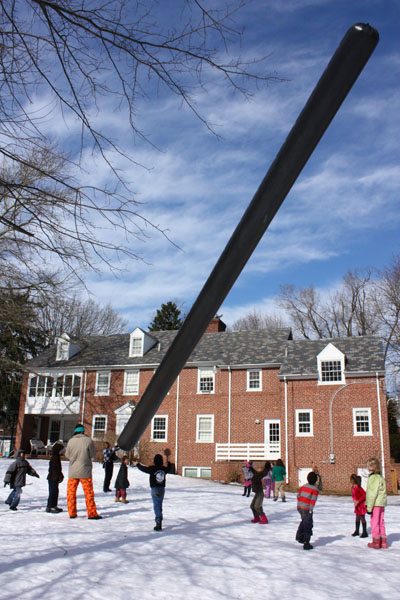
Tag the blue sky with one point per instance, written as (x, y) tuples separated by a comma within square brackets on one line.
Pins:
[(342, 213)]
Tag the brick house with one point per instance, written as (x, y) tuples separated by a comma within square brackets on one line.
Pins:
[(243, 394)]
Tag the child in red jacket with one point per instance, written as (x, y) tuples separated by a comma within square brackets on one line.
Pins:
[(360, 509)]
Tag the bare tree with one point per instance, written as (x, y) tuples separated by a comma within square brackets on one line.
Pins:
[(78, 318), (77, 54), (256, 320), (349, 311), (387, 301)]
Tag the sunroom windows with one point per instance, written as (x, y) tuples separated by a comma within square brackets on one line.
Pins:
[(47, 386)]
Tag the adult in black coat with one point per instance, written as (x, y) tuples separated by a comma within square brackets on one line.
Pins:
[(15, 477), (54, 477)]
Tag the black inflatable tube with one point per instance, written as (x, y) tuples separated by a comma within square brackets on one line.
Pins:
[(329, 93)]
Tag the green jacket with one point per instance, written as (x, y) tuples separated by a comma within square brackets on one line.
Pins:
[(376, 492), (278, 473)]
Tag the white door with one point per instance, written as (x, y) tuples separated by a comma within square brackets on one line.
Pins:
[(272, 438), (364, 473), (303, 472)]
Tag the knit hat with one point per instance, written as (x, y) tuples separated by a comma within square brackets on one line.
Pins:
[(312, 478), (158, 461), (79, 429)]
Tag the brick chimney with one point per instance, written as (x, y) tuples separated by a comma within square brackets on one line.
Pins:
[(216, 325)]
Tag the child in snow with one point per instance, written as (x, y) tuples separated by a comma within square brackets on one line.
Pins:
[(247, 474), (109, 457), (121, 482), (15, 477), (257, 503), (376, 501), (157, 473), (278, 477), (54, 477), (358, 495), (268, 483), (306, 499)]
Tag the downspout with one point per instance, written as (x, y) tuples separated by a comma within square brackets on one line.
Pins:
[(84, 398), (286, 432), (177, 422), (380, 425), (229, 410)]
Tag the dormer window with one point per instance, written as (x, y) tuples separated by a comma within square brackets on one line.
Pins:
[(140, 342), (62, 349), (66, 349), (136, 346), (331, 366)]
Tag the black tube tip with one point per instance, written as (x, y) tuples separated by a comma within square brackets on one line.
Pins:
[(367, 29)]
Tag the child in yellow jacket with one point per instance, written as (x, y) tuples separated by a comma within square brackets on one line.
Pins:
[(376, 501)]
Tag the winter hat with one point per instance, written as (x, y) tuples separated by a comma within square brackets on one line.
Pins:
[(20, 452), (79, 429), (56, 449), (312, 478), (158, 461)]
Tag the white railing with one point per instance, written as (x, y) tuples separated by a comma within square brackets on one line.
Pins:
[(54, 404), (247, 451)]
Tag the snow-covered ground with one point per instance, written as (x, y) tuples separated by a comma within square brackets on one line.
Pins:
[(208, 550)]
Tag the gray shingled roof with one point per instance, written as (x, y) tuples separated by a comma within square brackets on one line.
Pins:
[(222, 348), (233, 348), (363, 355)]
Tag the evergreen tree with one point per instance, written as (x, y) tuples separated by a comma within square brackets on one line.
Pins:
[(168, 317)]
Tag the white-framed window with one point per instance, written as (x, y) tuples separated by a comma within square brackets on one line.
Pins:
[(203, 472), (254, 381), (68, 385), (41, 386), (159, 428), (206, 381), (131, 382), (136, 348), (205, 428), (99, 428), (304, 422), (62, 349), (103, 383), (362, 421), (331, 363), (331, 371)]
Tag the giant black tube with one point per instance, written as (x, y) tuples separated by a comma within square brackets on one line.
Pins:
[(329, 93)]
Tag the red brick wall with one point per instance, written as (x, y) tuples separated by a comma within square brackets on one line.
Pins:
[(351, 452)]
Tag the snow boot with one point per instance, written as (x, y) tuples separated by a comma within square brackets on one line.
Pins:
[(283, 499), (124, 501), (364, 531), (384, 542), (275, 498), (263, 519), (357, 530), (307, 546), (376, 543), (117, 500), (158, 525), (256, 519)]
